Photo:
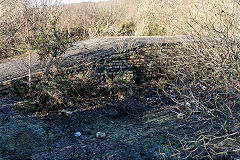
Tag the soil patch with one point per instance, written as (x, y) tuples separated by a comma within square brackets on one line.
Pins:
[(135, 128)]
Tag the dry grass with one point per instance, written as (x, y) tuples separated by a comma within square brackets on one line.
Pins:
[(20, 23), (90, 20), (164, 17)]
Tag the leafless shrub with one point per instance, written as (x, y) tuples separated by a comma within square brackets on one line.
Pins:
[(202, 78), (20, 23), (9, 23)]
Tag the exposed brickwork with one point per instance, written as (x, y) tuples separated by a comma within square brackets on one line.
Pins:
[(136, 65)]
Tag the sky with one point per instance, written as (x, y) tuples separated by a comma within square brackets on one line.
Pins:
[(78, 1)]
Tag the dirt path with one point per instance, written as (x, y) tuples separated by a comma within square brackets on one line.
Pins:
[(140, 129), (129, 133)]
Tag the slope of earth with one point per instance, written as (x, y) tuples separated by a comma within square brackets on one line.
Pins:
[(137, 129)]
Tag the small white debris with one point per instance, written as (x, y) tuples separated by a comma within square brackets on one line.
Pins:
[(180, 116), (66, 112), (188, 104), (204, 87), (70, 103), (100, 135), (77, 134)]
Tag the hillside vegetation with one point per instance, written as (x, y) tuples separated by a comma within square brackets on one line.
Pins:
[(112, 18), (147, 17)]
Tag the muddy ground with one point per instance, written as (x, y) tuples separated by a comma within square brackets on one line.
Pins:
[(136, 128)]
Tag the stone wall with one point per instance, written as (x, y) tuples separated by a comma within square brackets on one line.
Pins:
[(138, 65), (136, 59)]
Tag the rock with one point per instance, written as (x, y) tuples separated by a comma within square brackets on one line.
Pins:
[(188, 104), (66, 112), (181, 116), (101, 135)]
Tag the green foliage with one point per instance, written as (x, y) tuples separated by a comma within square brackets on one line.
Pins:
[(153, 29), (52, 44), (127, 29)]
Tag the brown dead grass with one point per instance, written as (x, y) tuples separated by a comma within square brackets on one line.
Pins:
[(150, 17), (106, 18)]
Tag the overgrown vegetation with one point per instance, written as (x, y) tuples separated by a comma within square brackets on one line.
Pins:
[(204, 90), (153, 29), (22, 21), (54, 84), (127, 29), (111, 18), (201, 77)]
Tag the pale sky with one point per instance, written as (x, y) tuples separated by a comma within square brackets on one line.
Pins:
[(78, 1)]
